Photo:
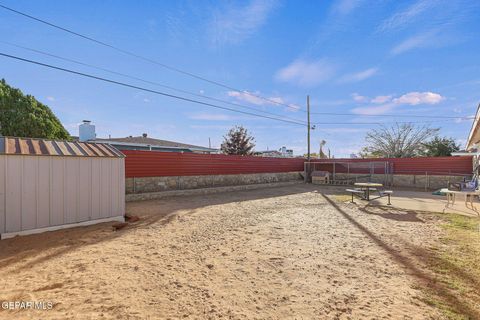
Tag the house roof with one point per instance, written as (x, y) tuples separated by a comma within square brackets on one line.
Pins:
[(147, 141), (45, 147), (470, 152), (474, 136)]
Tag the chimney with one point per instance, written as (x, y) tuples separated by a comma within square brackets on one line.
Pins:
[(86, 131), (144, 135)]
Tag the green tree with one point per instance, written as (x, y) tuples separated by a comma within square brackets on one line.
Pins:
[(440, 147), (24, 116), (238, 142)]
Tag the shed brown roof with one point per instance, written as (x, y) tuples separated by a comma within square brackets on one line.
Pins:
[(43, 147)]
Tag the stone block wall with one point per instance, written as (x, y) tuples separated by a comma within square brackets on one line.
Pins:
[(158, 184)]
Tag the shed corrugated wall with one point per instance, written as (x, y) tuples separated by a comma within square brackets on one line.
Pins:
[(160, 164), (46, 191)]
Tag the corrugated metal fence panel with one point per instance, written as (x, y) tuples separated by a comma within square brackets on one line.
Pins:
[(432, 165), (96, 186), (84, 194), (46, 191), (158, 164), (439, 165), (121, 185), (29, 187), (2, 193), (71, 176), (13, 203), (106, 174), (57, 189)]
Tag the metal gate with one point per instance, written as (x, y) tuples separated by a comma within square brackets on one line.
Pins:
[(349, 172)]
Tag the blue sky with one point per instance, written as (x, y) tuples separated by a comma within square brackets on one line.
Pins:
[(352, 57)]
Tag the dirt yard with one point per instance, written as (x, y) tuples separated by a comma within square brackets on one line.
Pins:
[(278, 253)]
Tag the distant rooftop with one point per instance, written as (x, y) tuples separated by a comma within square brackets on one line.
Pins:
[(144, 140)]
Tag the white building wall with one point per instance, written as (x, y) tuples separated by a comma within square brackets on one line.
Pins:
[(86, 131), (46, 191)]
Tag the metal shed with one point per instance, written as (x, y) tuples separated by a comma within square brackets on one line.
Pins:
[(47, 185)]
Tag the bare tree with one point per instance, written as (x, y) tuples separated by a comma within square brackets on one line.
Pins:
[(398, 141)]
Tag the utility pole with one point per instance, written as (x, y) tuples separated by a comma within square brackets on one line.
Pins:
[(308, 124)]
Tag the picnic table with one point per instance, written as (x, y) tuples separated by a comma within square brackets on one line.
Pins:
[(364, 189), (452, 193), (367, 186)]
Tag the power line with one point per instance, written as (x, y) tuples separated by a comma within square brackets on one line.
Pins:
[(229, 102), (392, 115), (380, 123), (200, 77), (132, 54), (145, 89), (147, 81), (188, 99)]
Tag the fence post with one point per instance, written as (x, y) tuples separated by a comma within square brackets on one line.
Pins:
[(304, 172), (426, 179), (391, 172), (372, 166), (333, 171)]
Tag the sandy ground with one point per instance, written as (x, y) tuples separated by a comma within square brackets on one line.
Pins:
[(277, 253)]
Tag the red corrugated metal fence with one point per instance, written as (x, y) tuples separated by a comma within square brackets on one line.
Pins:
[(421, 165), (159, 164), (452, 165)]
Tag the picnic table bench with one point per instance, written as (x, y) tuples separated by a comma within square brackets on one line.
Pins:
[(364, 190), (355, 192)]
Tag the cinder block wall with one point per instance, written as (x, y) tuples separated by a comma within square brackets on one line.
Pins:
[(431, 182), (157, 184)]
